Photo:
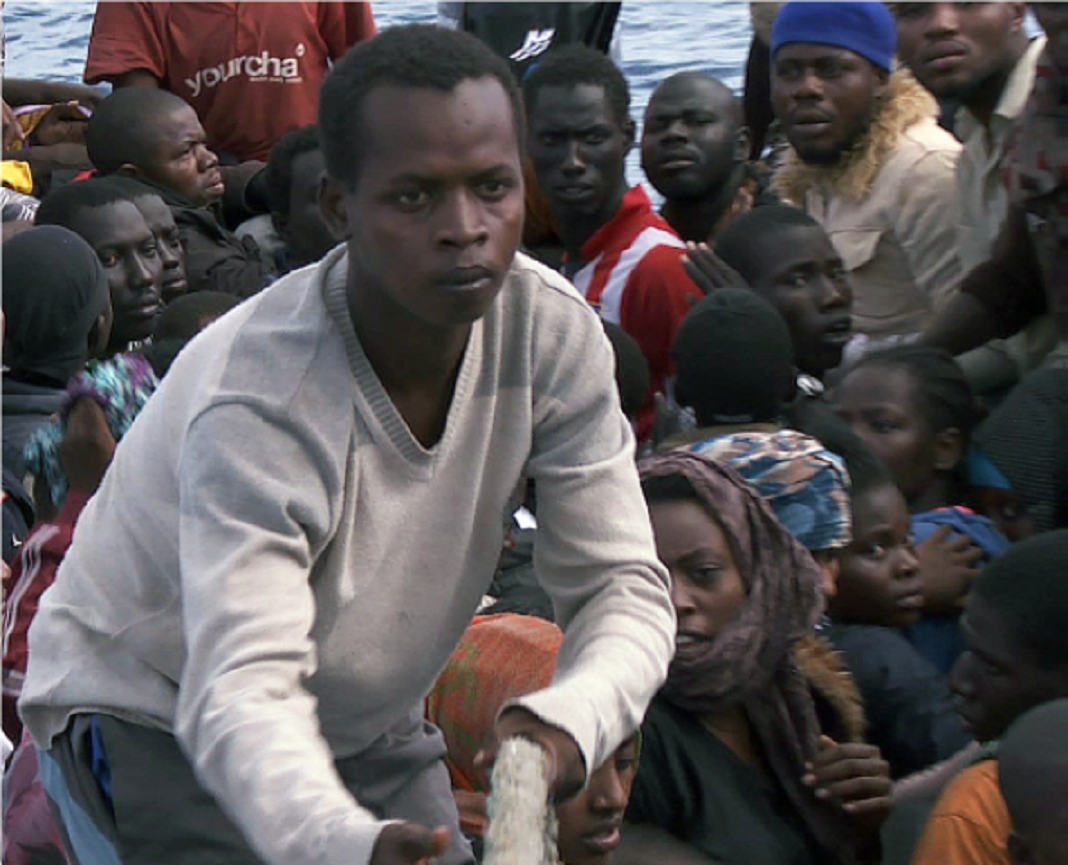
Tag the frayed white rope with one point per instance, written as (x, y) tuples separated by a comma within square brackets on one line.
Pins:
[(522, 823)]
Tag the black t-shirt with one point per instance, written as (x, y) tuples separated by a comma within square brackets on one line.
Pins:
[(693, 786)]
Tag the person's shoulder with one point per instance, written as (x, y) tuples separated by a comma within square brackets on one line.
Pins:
[(660, 268), (542, 288), (974, 795), (276, 336), (926, 138)]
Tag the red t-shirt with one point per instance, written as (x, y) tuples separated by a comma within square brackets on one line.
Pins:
[(251, 70), (634, 278)]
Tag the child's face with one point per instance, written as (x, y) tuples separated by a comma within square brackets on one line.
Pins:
[(706, 587), (180, 159), (590, 824), (879, 581), (808, 285), (128, 251), (880, 404)]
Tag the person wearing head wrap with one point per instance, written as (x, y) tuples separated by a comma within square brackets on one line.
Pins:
[(501, 658), (57, 311), (733, 750)]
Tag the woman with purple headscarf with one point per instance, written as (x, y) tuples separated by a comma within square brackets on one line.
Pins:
[(735, 762)]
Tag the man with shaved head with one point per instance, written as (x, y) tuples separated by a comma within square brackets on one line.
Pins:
[(694, 149), (1033, 773)]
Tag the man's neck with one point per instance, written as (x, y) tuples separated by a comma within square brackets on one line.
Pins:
[(419, 378), (696, 218), (984, 99), (577, 229)]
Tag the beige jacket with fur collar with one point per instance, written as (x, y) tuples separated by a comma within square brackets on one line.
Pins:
[(891, 211)]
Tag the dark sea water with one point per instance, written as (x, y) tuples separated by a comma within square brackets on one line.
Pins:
[(660, 37)]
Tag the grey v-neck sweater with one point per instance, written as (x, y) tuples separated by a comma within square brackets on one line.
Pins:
[(275, 569)]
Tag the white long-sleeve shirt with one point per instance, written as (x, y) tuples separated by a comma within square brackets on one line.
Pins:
[(275, 569)]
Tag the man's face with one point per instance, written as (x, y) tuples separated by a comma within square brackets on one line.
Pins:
[(306, 236), (996, 679), (435, 218), (825, 98), (807, 283), (161, 223), (954, 48), (578, 149), (126, 247), (180, 160), (691, 141)]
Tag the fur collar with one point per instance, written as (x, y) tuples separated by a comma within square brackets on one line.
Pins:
[(826, 672), (907, 103)]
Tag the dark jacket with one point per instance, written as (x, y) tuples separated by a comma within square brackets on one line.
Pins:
[(26, 407), (906, 700)]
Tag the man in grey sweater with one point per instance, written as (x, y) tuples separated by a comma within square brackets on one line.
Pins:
[(295, 532)]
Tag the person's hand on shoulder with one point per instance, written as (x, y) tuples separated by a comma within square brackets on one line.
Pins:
[(947, 568), (708, 271), (567, 771), (855, 776), (409, 844), (87, 447)]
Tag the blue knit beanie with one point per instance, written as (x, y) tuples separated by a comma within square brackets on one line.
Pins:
[(867, 29)]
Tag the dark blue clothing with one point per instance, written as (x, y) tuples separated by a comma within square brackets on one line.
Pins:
[(906, 700), (937, 636)]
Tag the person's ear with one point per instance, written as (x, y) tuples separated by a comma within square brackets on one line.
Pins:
[(949, 449), (743, 140), (1019, 852), (128, 169), (332, 195), (1019, 15), (882, 83), (280, 221), (99, 334), (629, 131)]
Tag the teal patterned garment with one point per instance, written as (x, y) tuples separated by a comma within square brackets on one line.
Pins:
[(806, 485), (121, 385)]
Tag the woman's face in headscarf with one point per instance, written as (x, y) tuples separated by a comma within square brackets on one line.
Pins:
[(707, 587)]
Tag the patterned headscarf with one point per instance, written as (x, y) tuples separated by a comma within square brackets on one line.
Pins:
[(498, 659), (121, 386), (750, 662), (806, 485)]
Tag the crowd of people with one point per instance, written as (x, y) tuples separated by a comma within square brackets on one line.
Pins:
[(359, 415)]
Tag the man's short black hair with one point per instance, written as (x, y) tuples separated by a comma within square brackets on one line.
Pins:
[(280, 166), (572, 65), (63, 204), (726, 97), (417, 56), (747, 242), (124, 127), (182, 320), (1028, 588)]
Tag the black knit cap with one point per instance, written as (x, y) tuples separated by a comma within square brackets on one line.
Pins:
[(733, 359)]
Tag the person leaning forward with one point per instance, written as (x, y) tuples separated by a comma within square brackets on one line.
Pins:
[(295, 534)]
